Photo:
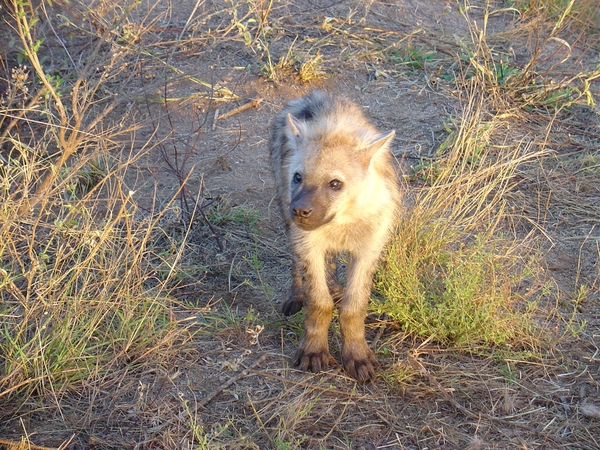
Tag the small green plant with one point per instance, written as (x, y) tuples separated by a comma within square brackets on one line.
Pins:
[(256, 265), (311, 69), (590, 163), (400, 375), (223, 214), (457, 294), (411, 57), (254, 29), (510, 375), (85, 178)]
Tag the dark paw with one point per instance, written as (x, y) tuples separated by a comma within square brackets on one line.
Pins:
[(360, 368), (315, 361), (292, 306)]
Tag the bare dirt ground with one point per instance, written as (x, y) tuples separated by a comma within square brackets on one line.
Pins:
[(425, 396)]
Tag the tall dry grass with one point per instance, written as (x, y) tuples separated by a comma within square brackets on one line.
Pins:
[(456, 268), (81, 299), (462, 267)]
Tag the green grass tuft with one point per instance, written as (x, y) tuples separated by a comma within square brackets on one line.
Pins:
[(456, 296)]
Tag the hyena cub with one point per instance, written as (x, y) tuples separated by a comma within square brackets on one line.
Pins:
[(338, 191)]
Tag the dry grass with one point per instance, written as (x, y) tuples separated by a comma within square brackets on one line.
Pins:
[(461, 269), (109, 333), (456, 270), (84, 302)]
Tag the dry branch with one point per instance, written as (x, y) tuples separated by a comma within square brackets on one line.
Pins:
[(206, 400), (251, 104)]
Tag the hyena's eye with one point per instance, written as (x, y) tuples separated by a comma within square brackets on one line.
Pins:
[(335, 184), (297, 178)]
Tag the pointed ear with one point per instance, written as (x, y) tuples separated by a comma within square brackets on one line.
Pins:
[(379, 144), (294, 125), (381, 141)]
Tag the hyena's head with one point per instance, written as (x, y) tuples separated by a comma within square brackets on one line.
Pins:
[(332, 174)]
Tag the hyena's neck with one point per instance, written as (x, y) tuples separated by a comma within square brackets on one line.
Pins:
[(360, 236)]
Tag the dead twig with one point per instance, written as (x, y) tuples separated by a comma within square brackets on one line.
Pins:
[(251, 104), (206, 400), (306, 385)]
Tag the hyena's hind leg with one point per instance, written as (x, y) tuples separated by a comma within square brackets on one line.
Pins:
[(295, 302), (333, 282)]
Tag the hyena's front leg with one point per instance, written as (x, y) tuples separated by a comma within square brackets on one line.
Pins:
[(357, 358), (313, 352)]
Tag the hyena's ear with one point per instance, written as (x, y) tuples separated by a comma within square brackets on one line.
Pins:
[(380, 144), (294, 125)]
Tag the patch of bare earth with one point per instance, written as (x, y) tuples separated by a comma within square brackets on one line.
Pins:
[(235, 386)]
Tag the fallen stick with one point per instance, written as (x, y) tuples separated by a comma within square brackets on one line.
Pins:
[(251, 104), (206, 400)]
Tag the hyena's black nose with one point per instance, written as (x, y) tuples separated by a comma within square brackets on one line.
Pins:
[(302, 212)]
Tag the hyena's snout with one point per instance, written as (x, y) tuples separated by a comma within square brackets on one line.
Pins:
[(308, 210), (302, 211)]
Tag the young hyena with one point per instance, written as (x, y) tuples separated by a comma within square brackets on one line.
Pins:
[(338, 191)]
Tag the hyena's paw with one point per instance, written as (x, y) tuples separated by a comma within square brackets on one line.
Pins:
[(312, 359), (360, 365), (292, 305)]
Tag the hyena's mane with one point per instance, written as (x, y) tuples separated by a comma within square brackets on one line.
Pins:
[(311, 107), (332, 120)]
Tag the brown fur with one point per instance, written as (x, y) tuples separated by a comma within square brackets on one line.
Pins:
[(338, 191)]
